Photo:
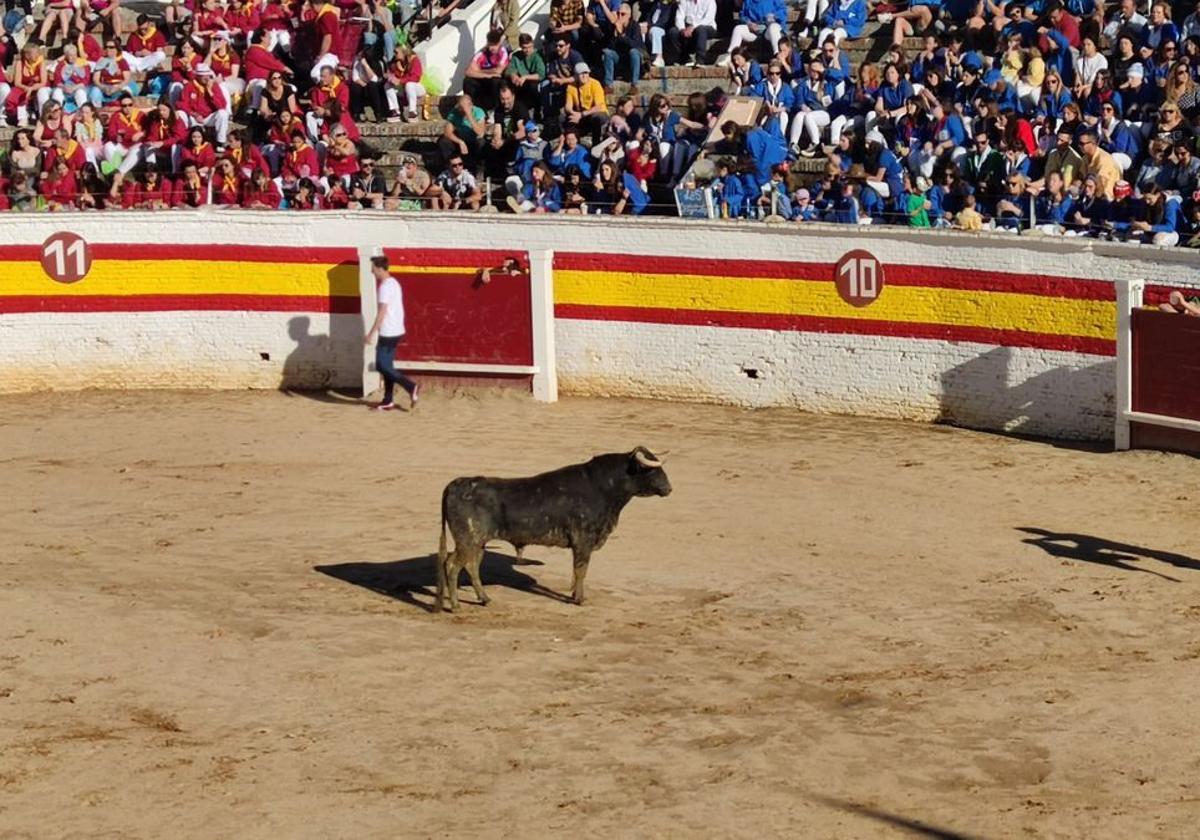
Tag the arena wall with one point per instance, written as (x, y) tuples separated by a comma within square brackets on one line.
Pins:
[(990, 331)]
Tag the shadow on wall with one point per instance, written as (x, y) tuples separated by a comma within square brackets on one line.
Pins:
[(990, 391), (318, 361)]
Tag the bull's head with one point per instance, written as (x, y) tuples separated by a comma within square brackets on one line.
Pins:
[(647, 472)]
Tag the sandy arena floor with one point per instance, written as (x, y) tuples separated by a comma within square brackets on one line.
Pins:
[(213, 623)]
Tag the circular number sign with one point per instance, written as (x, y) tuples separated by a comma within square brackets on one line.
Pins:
[(859, 278), (66, 258)]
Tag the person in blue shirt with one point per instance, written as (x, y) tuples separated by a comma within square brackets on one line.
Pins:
[(730, 196), (837, 65), (1089, 215), (885, 175), (842, 208), (967, 93), (568, 151), (778, 100), (1159, 30), (1117, 138), (1158, 223), (1013, 207), (1002, 93), (758, 18), (894, 93), (814, 96), (744, 73), (949, 132), (918, 17), (843, 19), (766, 150), (636, 200), (540, 195), (1054, 99), (1053, 206), (803, 208)]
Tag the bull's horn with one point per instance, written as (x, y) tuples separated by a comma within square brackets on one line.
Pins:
[(645, 461)]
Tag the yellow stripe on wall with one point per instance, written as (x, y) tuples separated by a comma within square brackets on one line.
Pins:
[(909, 304)]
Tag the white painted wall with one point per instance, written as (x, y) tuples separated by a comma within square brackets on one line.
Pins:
[(1031, 391), (448, 52)]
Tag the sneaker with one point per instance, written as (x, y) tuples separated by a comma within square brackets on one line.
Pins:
[(384, 406), (886, 18), (515, 204), (723, 60), (808, 153), (416, 395), (394, 118), (658, 61), (794, 148)]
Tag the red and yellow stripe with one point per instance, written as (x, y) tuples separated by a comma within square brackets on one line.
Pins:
[(1056, 313), (147, 278)]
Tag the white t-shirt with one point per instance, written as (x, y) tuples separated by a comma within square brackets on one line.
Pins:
[(393, 321)]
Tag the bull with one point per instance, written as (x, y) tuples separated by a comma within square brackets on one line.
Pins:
[(575, 507)]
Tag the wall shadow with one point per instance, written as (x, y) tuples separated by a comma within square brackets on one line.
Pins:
[(405, 580), (1089, 549), (977, 394), (917, 828)]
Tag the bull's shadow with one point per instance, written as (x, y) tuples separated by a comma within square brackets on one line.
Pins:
[(405, 580)]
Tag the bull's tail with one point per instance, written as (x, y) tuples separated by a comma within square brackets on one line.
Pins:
[(441, 557)]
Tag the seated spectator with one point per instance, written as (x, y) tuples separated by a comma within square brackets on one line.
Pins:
[(694, 26), (22, 195), (89, 131), (560, 75), (367, 76), (72, 78), (59, 189), (463, 132), (506, 131), (1053, 205), (567, 151), (60, 12), (341, 157), (1099, 163), (1013, 207), (190, 191), (968, 218), (30, 81), (566, 21), (261, 68), (458, 188), (412, 186), (402, 86), (1182, 174), (152, 193), (245, 156), (842, 19), (779, 100), (917, 206), (300, 163), (198, 151), (111, 76), (755, 19), (145, 49), (330, 89), (124, 133), (623, 45), (226, 184), (540, 195), (368, 186), (226, 65), (1089, 215), (327, 22), (525, 72), (486, 71), (204, 104), (1158, 223), (586, 106), (305, 196), (814, 96)]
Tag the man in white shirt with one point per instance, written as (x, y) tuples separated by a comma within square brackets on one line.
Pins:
[(695, 25), (389, 330)]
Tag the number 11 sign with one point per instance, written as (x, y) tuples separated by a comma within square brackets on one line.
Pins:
[(859, 278), (66, 258)]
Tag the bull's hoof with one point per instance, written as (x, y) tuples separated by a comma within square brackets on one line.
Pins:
[(577, 600)]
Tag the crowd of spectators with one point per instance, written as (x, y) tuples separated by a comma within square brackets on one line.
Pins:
[(1076, 119)]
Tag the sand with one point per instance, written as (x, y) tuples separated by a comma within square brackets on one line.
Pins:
[(214, 623)]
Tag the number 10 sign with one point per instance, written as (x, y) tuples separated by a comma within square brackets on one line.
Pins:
[(859, 278), (66, 258)]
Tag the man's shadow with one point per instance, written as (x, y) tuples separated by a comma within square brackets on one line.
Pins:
[(307, 371), (404, 580), (1091, 549)]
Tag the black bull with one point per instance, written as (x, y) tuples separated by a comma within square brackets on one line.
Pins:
[(575, 507)]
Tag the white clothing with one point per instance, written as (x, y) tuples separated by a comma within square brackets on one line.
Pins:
[(1087, 67), (696, 13), (393, 318)]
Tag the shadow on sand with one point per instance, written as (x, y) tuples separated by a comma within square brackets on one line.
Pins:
[(1089, 549), (405, 580), (914, 827)]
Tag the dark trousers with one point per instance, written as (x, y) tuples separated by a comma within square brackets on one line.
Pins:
[(681, 47), (483, 92), (385, 363)]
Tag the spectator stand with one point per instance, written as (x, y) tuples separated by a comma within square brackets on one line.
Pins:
[(701, 202), (470, 315), (448, 50), (1158, 362)]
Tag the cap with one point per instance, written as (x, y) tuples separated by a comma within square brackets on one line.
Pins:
[(972, 61), (922, 184), (802, 195), (202, 69), (1136, 69), (991, 77), (875, 136), (530, 125), (1122, 189), (582, 67)]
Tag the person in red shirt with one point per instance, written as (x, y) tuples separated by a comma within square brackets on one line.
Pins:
[(279, 139), (111, 76), (166, 133), (257, 66), (89, 47), (59, 187), (226, 184), (305, 197), (330, 89), (65, 148), (243, 18), (72, 77), (145, 49), (152, 193), (326, 22), (198, 152), (183, 69), (209, 23), (30, 77), (189, 189), (261, 193), (404, 78), (124, 133), (341, 157), (276, 20), (246, 157), (299, 163), (226, 64), (204, 102)]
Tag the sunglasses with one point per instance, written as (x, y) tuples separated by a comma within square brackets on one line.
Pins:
[(456, 164), (774, 73)]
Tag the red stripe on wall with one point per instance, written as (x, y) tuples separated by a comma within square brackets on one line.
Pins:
[(475, 258), (900, 275), (231, 252), (849, 326), (167, 303)]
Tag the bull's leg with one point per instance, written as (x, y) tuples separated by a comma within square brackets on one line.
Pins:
[(581, 558), (473, 564), (454, 565)]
